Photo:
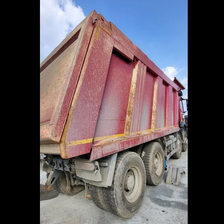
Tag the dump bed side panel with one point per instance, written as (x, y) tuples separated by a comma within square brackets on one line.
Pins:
[(158, 114), (152, 110), (119, 99), (112, 115), (161, 105), (146, 116), (59, 74), (138, 100), (52, 79), (80, 127)]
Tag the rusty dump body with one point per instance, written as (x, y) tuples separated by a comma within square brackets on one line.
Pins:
[(100, 94)]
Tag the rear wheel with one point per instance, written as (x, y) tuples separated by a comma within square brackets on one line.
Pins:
[(98, 198), (125, 196), (153, 158)]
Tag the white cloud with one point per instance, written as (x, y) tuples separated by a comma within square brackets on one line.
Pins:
[(57, 19), (184, 81), (170, 72)]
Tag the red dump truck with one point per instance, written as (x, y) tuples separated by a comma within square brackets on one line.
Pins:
[(109, 118)]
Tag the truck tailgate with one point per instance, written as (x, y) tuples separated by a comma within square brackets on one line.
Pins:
[(59, 74)]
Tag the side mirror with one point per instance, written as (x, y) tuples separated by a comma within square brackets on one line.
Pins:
[(180, 93)]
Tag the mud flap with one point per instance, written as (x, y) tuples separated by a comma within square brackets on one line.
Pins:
[(174, 175), (53, 176)]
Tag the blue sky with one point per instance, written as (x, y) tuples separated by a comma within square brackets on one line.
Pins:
[(157, 27)]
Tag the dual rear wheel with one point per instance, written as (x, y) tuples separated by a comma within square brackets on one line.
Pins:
[(125, 196), (153, 158), (132, 173)]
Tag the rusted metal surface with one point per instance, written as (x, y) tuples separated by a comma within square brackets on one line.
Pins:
[(53, 175), (137, 114), (112, 95), (87, 195), (129, 113), (47, 188), (154, 104)]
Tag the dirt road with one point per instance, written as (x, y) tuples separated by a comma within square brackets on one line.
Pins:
[(162, 204)]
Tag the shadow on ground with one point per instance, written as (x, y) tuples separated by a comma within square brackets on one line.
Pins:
[(46, 195)]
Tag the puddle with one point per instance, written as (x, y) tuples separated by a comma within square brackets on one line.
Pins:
[(46, 195)]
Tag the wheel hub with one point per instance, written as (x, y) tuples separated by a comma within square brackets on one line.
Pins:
[(132, 184), (130, 181), (158, 163)]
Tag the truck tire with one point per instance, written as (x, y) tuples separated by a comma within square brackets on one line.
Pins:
[(185, 144), (153, 158), (60, 186), (98, 198), (124, 197), (177, 154)]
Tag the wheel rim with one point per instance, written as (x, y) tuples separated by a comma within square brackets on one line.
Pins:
[(158, 163), (132, 184)]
